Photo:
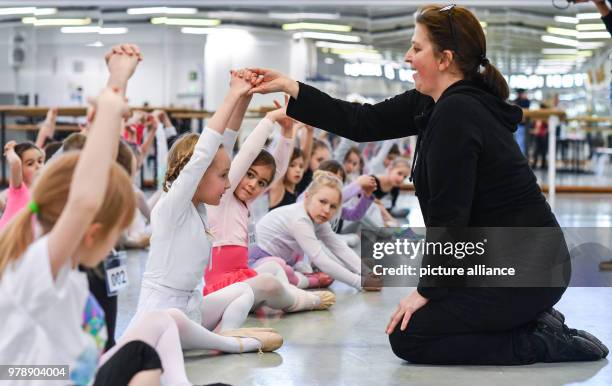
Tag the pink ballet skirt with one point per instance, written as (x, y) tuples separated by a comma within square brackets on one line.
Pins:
[(228, 265)]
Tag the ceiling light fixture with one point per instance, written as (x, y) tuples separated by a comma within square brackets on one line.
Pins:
[(55, 22), (161, 10), (185, 22), (566, 19), (304, 15), (317, 26), (327, 36), (560, 41)]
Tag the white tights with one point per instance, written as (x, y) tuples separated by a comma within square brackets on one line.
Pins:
[(170, 331), (271, 287)]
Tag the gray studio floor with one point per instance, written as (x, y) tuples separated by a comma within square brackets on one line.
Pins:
[(347, 345)]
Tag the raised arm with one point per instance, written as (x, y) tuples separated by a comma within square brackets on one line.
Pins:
[(15, 165), (181, 192), (306, 142), (235, 122), (284, 146), (89, 181), (47, 128), (253, 145), (392, 118)]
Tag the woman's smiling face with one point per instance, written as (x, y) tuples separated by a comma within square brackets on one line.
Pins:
[(423, 60)]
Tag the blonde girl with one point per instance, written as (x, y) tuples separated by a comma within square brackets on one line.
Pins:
[(181, 241)]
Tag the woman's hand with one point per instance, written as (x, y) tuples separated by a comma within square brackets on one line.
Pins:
[(407, 306), (269, 81)]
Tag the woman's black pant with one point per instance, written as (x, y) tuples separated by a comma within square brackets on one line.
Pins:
[(475, 326)]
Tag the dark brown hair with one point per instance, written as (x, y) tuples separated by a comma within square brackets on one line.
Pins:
[(394, 150), (352, 150), (468, 44), (297, 153), (266, 159), (22, 147), (333, 166)]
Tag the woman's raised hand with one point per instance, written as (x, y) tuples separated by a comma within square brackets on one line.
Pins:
[(268, 81)]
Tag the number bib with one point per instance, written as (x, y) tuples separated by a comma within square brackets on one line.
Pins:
[(116, 273), (252, 237)]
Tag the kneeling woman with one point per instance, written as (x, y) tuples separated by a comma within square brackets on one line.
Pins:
[(468, 172)]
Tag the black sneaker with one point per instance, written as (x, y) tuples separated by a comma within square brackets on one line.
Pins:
[(581, 333), (588, 336), (555, 343)]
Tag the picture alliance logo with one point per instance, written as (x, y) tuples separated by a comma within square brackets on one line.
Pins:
[(414, 248)]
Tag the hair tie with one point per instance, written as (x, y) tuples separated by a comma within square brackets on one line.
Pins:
[(483, 60), (33, 206)]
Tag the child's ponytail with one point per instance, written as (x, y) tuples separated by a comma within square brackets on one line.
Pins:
[(49, 198)]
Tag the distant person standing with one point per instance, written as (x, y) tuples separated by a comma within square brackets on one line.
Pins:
[(522, 101), (604, 10)]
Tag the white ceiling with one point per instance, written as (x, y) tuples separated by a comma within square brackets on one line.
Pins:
[(514, 27)]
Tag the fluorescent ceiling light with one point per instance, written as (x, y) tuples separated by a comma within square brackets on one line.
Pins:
[(484, 24), (303, 15), (17, 11), (588, 16), (562, 31), (341, 46), (559, 51), (594, 35), (27, 11), (569, 58), (113, 30), (94, 29), (80, 30), (327, 36), (161, 10), (590, 45), (186, 22), (566, 19), (317, 26), (560, 41), (45, 11), (566, 51), (95, 44), (591, 27), (55, 22)]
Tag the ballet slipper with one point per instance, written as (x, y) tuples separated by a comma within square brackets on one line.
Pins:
[(270, 341), (372, 283), (328, 299), (321, 280)]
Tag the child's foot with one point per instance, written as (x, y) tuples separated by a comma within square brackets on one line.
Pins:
[(270, 340), (327, 299), (318, 280)]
